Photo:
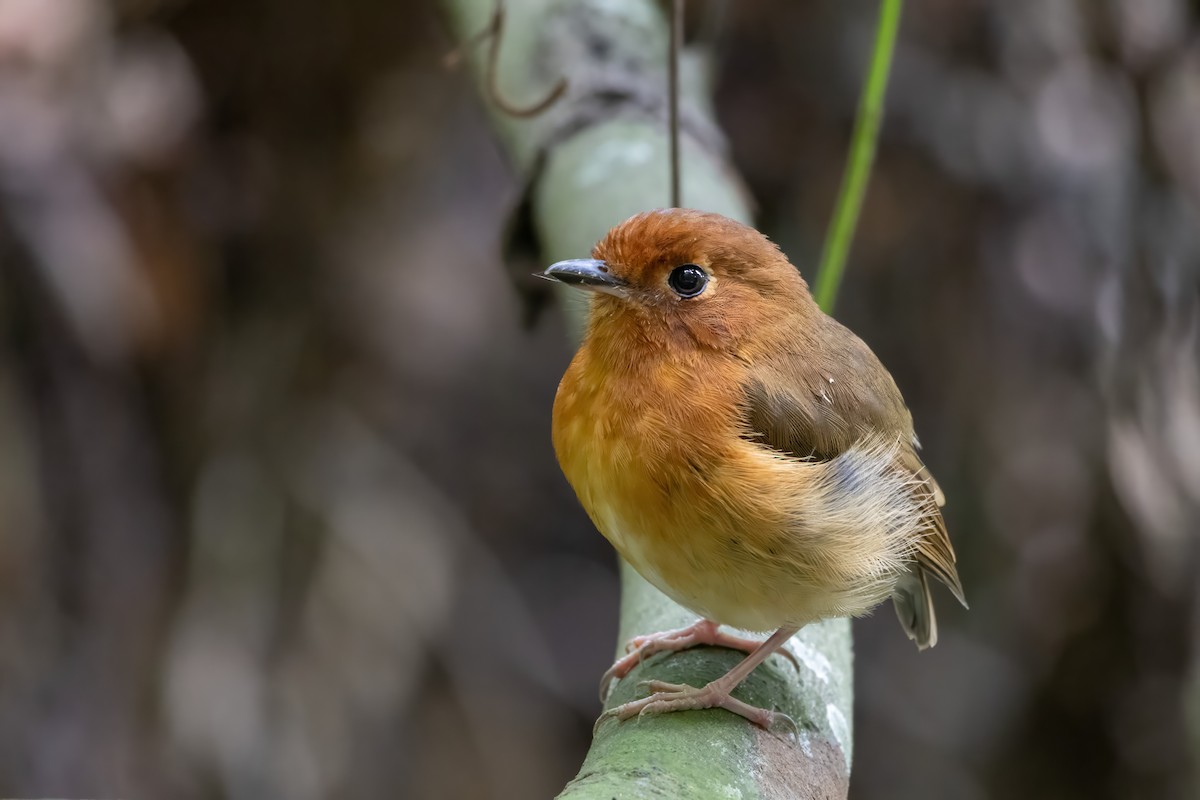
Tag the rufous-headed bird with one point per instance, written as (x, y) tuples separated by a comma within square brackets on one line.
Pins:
[(747, 454)]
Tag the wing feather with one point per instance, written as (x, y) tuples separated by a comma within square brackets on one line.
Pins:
[(820, 407)]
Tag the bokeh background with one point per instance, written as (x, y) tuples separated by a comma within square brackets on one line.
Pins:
[(279, 515)]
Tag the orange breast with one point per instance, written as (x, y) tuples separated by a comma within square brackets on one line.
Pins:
[(660, 464)]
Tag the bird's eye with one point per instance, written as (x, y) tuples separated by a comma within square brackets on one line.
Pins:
[(687, 280)]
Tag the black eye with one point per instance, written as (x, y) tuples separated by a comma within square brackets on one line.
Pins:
[(687, 280)]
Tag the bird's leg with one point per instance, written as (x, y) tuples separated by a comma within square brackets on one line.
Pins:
[(676, 697), (701, 632)]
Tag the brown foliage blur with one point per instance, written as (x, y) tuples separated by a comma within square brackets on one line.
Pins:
[(278, 511)]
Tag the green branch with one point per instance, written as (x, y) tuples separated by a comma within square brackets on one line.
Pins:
[(862, 155)]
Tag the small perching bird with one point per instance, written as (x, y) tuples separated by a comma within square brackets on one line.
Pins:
[(747, 454)]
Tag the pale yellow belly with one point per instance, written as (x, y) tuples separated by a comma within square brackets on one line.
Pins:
[(701, 571)]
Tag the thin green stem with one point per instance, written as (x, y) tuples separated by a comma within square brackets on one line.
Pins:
[(862, 154)]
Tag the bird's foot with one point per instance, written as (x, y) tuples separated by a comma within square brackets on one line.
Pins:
[(667, 697), (702, 632)]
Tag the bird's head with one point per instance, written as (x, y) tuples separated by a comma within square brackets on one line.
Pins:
[(679, 271)]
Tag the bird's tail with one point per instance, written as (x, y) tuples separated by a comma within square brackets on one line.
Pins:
[(914, 607)]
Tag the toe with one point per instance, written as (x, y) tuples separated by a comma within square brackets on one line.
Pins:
[(660, 687)]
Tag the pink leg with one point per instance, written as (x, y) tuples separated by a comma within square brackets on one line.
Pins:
[(701, 632), (675, 697)]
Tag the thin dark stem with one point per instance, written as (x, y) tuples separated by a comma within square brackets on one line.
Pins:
[(493, 34), (673, 99)]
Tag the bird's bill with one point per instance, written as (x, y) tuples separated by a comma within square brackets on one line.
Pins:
[(585, 273)]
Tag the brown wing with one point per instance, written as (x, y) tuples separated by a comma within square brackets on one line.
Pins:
[(818, 406)]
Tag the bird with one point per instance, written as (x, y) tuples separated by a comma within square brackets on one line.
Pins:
[(746, 453)]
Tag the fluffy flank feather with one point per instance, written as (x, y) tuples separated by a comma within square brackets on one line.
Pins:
[(861, 513)]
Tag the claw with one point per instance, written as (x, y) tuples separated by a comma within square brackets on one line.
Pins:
[(600, 721), (787, 722), (786, 652)]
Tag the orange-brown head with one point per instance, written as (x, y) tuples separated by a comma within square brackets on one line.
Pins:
[(687, 276)]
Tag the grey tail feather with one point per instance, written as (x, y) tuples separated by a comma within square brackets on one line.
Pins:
[(914, 607)]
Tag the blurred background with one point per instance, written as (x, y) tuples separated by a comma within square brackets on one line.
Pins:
[(279, 515)]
